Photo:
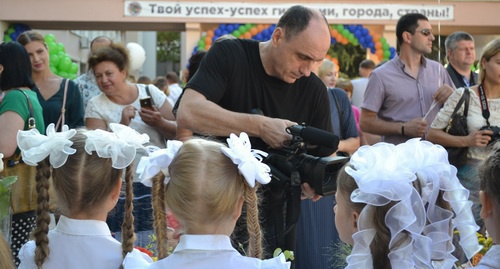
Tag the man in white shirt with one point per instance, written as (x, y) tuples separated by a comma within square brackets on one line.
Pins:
[(359, 85), (173, 86)]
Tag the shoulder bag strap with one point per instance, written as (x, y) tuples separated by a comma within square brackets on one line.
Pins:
[(31, 119), (63, 108), (339, 111), (465, 98), (149, 94)]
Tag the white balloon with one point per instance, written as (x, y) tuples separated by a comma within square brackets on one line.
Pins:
[(137, 55)]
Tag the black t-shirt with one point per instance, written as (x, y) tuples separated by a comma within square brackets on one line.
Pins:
[(232, 75)]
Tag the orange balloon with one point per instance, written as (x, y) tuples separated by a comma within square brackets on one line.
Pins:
[(260, 27), (253, 31), (247, 35), (208, 40), (210, 33), (328, 57), (334, 32), (336, 61), (378, 45), (207, 47), (345, 41), (380, 54)]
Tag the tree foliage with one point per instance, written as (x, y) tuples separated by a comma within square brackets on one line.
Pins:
[(168, 46)]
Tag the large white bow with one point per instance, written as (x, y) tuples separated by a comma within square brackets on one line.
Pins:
[(120, 145), (35, 147), (159, 160), (248, 159)]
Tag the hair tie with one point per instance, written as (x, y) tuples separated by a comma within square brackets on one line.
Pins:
[(35, 147), (159, 160), (120, 145), (248, 160)]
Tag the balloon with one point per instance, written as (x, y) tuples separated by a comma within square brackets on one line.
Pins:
[(63, 74), (210, 33), (385, 46), (378, 45), (340, 27), (53, 48), (54, 69), (54, 59), (72, 76), (259, 37), (217, 32), (236, 33), (248, 26), (230, 28), (208, 40), (60, 47), (247, 35), (64, 64), (7, 38), (253, 31), (387, 54), (242, 29), (11, 30), (50, 38), (137, 55), (345, 32), (201, 43), (73, 68)]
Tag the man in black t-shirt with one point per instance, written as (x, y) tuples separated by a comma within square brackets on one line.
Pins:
[(237, 76)]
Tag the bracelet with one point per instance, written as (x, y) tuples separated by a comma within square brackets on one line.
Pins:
[(403, 129)]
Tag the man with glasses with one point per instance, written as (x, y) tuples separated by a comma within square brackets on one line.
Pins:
[(461, 54), (404, 95)]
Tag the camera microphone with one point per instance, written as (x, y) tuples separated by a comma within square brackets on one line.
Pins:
[(315, 136)]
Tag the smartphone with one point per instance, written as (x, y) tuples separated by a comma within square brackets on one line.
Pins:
[(146, 103)]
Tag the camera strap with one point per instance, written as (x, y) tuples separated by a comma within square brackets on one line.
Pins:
[(484, 104)]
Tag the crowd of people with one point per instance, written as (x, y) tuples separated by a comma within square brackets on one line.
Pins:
[(105, 163)]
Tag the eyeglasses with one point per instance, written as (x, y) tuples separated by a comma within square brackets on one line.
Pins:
[(426, 32)]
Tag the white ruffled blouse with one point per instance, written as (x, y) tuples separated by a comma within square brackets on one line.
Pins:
[(206, 251)]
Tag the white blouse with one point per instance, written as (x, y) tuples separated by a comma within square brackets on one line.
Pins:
[(78, 244), (206, 251), (475, 118), (100, 107)]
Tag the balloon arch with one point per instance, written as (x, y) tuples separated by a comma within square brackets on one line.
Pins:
[(356, 35)]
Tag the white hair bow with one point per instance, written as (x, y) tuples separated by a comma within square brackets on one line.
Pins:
[(120, 145), (248, 160), (159, 160), (35, 147)]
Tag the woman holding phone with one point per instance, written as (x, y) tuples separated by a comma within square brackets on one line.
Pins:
[(120, 102)]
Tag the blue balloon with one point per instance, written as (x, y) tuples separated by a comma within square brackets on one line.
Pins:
[(217, 32), (214, 38), (272, 28), (365, 31), (361, 40), (222, 27), (14, 35), (230, 28), (392, 49), (225, 32), (368, 38), (359, 27), (372, 50), (333, 41), (357, 34)]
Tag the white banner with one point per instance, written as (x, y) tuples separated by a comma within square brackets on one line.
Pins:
[(245, 10)]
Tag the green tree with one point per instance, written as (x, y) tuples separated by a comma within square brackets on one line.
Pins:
[(168, 46)]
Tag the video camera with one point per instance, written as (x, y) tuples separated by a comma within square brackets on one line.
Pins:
[(292, 163)]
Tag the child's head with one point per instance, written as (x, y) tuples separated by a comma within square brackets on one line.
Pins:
[(86, 183), (206, 189), (390, 206), (489, 175)]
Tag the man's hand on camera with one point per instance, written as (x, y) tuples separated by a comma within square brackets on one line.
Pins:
[(273, 131), (309, 193)]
